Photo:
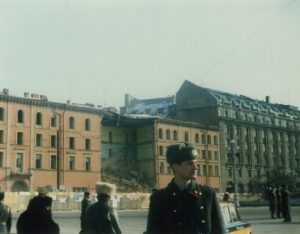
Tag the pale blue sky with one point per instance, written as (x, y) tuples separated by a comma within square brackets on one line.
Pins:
[(96, 51)]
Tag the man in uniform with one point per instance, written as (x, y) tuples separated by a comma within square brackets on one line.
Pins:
[(85, 203), (184, 206)]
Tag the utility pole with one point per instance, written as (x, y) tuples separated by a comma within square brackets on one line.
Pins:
[(58, 162), (233, 149)]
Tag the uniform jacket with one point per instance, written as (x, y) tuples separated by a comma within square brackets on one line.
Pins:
[(100, 218), (192, 211), (5, 218)]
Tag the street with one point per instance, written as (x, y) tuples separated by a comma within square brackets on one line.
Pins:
[(134, 221)]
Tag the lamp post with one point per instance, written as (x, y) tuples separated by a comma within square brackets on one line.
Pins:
[(233, 149), (57, 162)]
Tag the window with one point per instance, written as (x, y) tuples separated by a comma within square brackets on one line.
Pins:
[(53, 121), (110, 153), (209, 139), (87, 144), (38, 161), (215, 140), (53, 141), (186, 136), (1, 159), (1, 114), (160, 133), (38, 140), (240, 172), (72, 123), (1, 136), (175, 135), (19, 162), (19, 138), (203, 138), (87, 163), (38, 118), (168, 134), (216, 155), (110, 136), (198, 170), (216, 171), (53, 162), (197, 138), (161, 168), (72, 162), (87, 124), (20, 117), (203, 154), (161, 150), (72, 142), (209, 155), (204, 170), (210, 170), (249, 173)]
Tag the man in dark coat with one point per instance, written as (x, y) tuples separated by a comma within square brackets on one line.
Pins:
[(100, 217), (285, 204), (272, 201), (85, 203), (278, 202), (184, 206)]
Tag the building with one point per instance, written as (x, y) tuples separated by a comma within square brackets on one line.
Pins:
[(139, 143), (44, 143), (154, 107), (267, 134)]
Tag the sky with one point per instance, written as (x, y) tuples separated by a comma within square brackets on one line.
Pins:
[(96, 51)]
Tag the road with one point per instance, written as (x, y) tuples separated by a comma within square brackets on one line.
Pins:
[(134, 221)]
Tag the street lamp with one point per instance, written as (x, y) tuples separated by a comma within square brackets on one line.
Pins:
[(233, 149)]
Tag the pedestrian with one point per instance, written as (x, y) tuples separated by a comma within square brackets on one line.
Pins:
[(278, 202), (5, 215), (285, 204), (100, 217), (226, 197), (37, 218), (85, 203), (272, 201), (184, 206)]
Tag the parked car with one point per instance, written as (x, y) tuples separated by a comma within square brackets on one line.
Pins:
[(232, 220)]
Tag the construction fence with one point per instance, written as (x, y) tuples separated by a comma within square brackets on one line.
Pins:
[(66, 201)]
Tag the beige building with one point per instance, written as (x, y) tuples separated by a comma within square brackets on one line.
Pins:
[(141, 143), (268, 134), (51, 144)]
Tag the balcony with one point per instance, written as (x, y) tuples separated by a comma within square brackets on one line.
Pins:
[(19, 174)]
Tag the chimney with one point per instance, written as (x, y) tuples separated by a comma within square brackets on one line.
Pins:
[(26, 95), (6, 91), (268, 99), (128, 99), (68, 102)]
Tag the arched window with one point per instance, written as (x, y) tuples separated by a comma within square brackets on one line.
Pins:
[(175, 135), (197, 138), (20, 117), (160, 133), (168, 134), (209, 139), (72, 122), (87, 124), (53, 121), (1, 114), (38, 118)]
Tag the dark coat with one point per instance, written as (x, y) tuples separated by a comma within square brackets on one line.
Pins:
[(85, 203), (100, 218), (192, 211), (5, 218), (37, 219)]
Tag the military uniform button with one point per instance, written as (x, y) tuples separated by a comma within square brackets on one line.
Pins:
[(201, 207), (200, 193), (202, 221), (174, 194), (174, 211)]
